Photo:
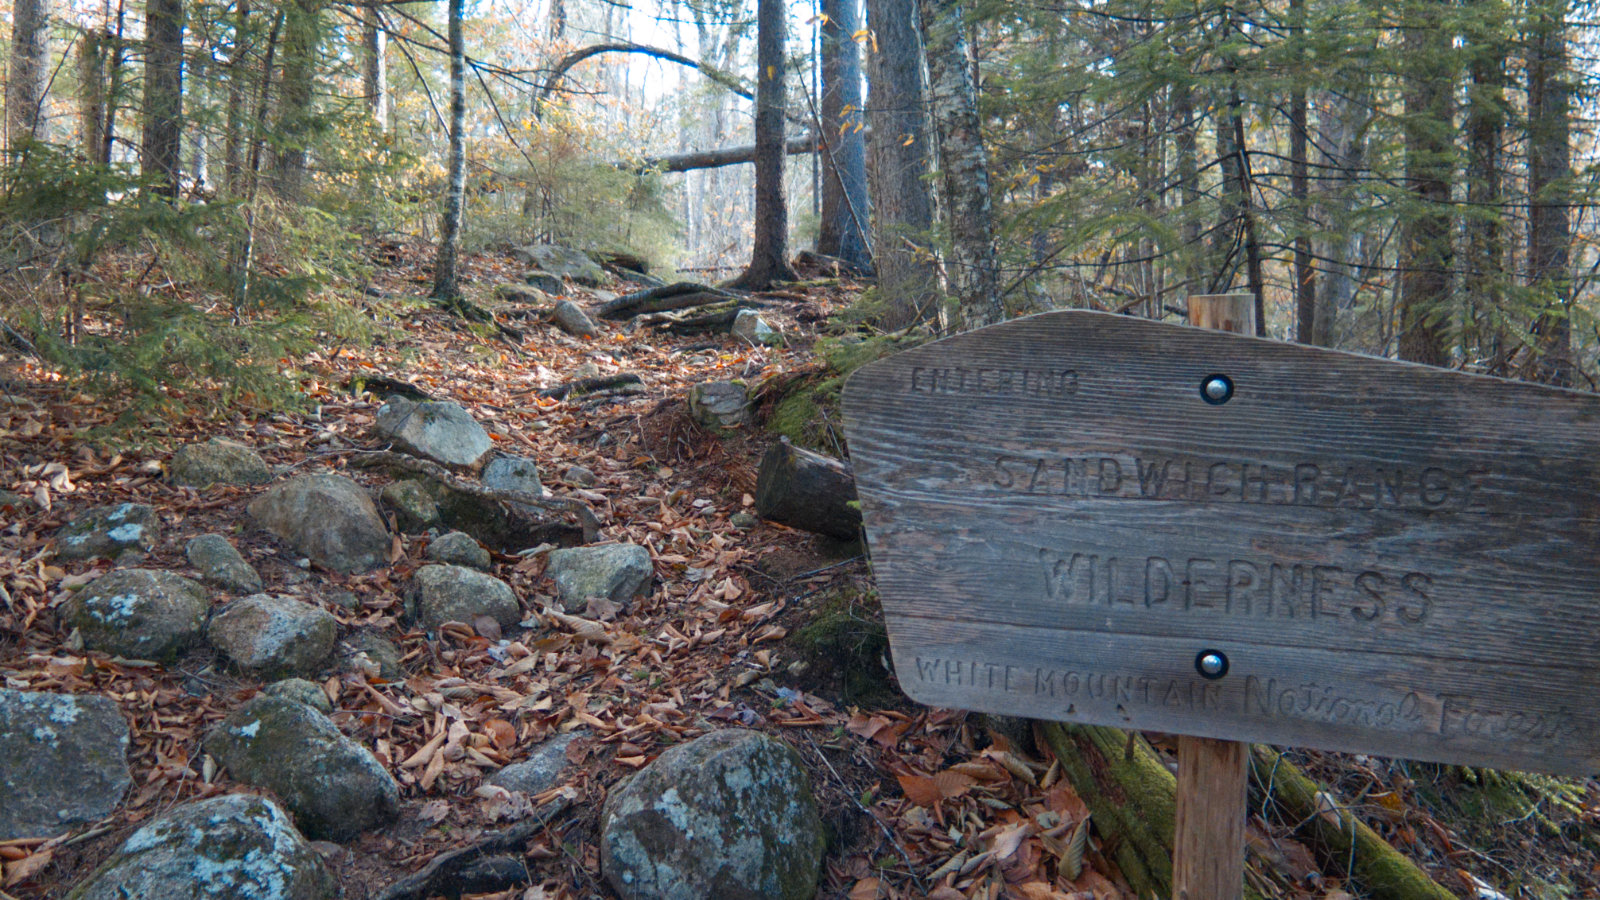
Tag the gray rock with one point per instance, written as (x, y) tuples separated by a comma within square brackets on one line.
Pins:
[(300, 691), (546, 283), (571, 318), (274, 636), (728, 815), (232, 847), (457, 594), (217, 462), (502, 525), (414, 509), (373, 655), (109, 530), (220, 564), (328, 518), (138, 613), (512, 473), (63, 761), (437, 429), (562, 261), (749, 326), (615, 572), (458, 549), (525, 294), (719, 404), (744, 521), (582, 476), (332, 786), (542, 769)]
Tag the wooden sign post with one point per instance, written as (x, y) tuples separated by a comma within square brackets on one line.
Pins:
[(1101, 519)]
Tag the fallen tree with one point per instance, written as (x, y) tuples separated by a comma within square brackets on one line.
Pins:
[(679, 295), (727, 156)]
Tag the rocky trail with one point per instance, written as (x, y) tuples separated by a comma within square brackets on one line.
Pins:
[(497, 617)]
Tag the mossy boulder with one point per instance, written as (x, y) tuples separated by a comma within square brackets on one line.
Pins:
[(274, 636), (233, 847), (729, 815), (458, 549), (108, 531), (446, 593), (414, 509), (437, 429), (329, 518), (332, 786), (614, 572), (139, 613), (220, 564)]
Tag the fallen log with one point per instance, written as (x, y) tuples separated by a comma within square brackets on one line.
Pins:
[(808, 491), (585, 386), (680, 295), (449, 872), (1132, 801), (726, 156), (700, 319)]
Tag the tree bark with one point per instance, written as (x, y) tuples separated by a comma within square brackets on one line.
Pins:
[(808, 491), (902, 209), (1305, 283), (727, 156), (963, 164), (1550, 192), (375, 67), (444, 267), (769, 255), (1486, 46), (844, 183), (236, 130), (92, 94), (30, 63), (302, 31), (163, 95), (1425, 247)]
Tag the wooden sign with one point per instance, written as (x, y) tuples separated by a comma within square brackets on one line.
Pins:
[(1100, 519)]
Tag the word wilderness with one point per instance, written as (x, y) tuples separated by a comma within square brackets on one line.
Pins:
[(1070, 519)]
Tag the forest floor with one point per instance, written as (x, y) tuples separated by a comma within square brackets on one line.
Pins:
[(919, 802)]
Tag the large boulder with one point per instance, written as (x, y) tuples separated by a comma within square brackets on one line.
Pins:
[(217, 462), (138, 613), (274, 636), (562, 261), (328, 518), (220, 564), (228, 847), (615, 572), (728, 815), (332, 786), (458, 594), (63, 761), (109, 530), (438, 430)]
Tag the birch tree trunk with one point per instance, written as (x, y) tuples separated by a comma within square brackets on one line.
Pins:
[(769, 256), (902, 209), (964, 166), (444, 266), (375, 67), (30, 63), (163, 95)]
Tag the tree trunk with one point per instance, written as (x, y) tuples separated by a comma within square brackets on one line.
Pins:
[(963, 164), (769, 256), (163, 95), (237, 131), (114, 82), (302, 31), (1550, 192), (1425, 249), (1486, 45), (1305, 284), (844, 183), (92, 95), (1188, 176), (30, 64), (444, 267), (1342, 126), (902, 210), (375, 67)]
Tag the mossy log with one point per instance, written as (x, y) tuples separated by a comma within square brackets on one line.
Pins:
[(1339, 837), (1132, 799), (718, 317)]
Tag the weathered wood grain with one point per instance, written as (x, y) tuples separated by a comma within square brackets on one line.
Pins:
[(1054, 494)]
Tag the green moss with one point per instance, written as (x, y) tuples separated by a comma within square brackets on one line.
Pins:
[(807, 412), (844, 645)]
